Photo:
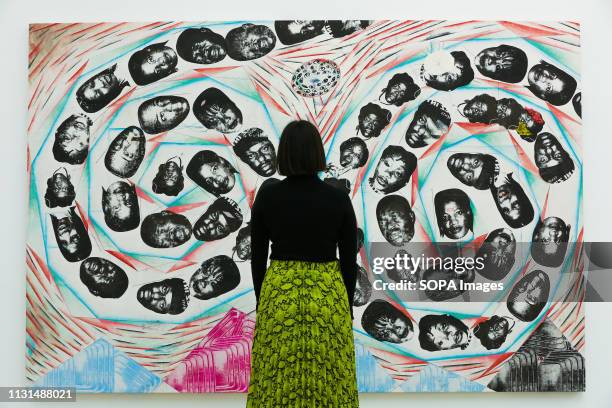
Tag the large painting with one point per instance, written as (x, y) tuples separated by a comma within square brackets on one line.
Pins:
[(147, 143)]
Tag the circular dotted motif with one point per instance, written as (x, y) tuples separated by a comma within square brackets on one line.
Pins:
[(315, 77)]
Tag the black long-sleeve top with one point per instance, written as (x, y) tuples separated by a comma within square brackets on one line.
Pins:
[(304, 218)]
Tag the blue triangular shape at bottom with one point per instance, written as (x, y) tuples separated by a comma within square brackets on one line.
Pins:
[(101, 368)]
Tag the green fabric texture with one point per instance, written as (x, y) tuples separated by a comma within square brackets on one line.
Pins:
[(303, 352)]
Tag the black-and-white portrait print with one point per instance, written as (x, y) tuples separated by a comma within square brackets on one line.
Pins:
[(71, 143), (549, 241), (508, 113), (214, 277), (215, 110), (443, 332), (512, 202), (220, 219), (444, 272), (554, 162), (60, 190), (103, 278), (478, 170), (201, 46), (120, 206), (162, 113), (529, 296), (242, 248), (409, 274), (291, 32), (342, 184), (126, 152), (71, 235), (429, 123), (152, 63), (399, 90), (363, 287), (481, 108), (168, 296), (100, 90), (493, 332), (447, 71), (385, 322), (169, 179), (498, 253), (551, 83), (577, 103), (393, 170), (212, 172), (165, 229), (505, 63), (372, 119), (342, 28), (454, 213), (354, 154), (254, 148), (250, 41), (395, 219)]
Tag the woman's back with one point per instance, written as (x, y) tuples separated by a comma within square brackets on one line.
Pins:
[(306, 219), (303, 215)]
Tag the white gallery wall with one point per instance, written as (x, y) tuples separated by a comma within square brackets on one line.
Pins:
[(596, 73)]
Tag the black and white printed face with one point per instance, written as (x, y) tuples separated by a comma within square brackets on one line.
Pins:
[(201, 46), (71, 235), (504, 63), (166, 296), (548, 151), (295, 31), (509, 202), (498, 253), (425, 129), (352, 155), (371, 125), (207, 51), (165, 230), (250, 41), (103, 278), (162, 113), (545, 80), (99, 90), (120, 206), (529, 295), (60, 191), (243, 247), (152, 63), (224, 118), (446, 335), (444, 71), (126, 152), (73, 139), (213, 225), (261, 157), (455, 219), (397, 226), (390, 173), (217, 176), (68, 236)]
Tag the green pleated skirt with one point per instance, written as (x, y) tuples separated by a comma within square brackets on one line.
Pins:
[(303, 351)]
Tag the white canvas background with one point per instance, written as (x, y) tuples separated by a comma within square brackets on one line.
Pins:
[(595, 17)]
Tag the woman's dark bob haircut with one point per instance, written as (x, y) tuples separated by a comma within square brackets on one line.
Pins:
[(300, 150)]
